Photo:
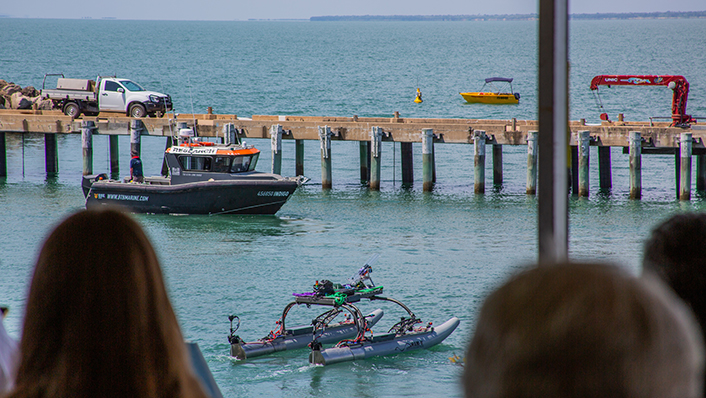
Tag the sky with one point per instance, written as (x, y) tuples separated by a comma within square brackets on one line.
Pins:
[(229, 10)]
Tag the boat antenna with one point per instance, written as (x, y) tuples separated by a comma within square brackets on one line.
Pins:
[(191, 97)]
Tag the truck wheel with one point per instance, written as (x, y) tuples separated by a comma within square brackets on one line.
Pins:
[(72, 109), (137, 110)]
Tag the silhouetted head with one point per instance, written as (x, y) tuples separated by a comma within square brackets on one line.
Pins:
[(584, 330), (98, 321)]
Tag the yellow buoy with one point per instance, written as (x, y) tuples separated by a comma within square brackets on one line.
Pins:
[(418, 100)]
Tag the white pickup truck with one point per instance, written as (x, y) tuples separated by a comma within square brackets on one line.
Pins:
[(105, 94)]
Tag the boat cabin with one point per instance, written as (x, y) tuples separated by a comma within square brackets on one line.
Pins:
[(193, 162)]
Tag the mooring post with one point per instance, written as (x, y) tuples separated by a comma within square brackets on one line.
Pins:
[(407, 162), (532, 162), (325, 139), (635, 155), (114, 150), (276, 145), (299, 157), (364, 148), (479, 161), (700, 172), (685, 141), (136, 130), (375, 150), (583, 139), (3, 155), (51, 154), (604, 168), (87, 127), (427, 160), (498, 163)]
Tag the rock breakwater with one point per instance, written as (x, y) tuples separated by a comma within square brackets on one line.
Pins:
[(13, 96)]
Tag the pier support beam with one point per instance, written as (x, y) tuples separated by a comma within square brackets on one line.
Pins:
[(364, 147), (375, 161), (479, 161), (427, 160), (531, 163), (700, 173), (583, 139), (276, 145), (87, 127), (299, 157), (685, 141), (114, 149), (497, 165), (51, 154), (3, 155), (604, 168), (407, 161), (635, 155), (136, 130), (325, 140)]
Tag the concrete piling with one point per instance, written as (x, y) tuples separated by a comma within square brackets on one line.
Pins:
[(479, 138), (604, 168), (325, 140), (635, 155), (685, 146), (375, 161), (700, 173), (498, 164), (87, 127), (51, 154), (276, 145), (427, 160), (364, 148), (230, 134), (3, 155), (583, 139), (167, 145), (574, 171), (114, 150), (532, 162), (407, 162), (136, 131), (299, 157)]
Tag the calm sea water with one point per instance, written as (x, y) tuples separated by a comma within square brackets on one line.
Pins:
[(441, 252)]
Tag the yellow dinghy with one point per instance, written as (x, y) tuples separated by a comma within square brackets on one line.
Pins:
[(492, 96)]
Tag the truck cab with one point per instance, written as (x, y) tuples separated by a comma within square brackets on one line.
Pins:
[(124, 95)]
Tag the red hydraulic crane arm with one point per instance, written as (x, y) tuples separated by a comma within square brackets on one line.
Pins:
[(677, 83)]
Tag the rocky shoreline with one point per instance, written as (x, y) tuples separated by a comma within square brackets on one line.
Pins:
[(13, 96)]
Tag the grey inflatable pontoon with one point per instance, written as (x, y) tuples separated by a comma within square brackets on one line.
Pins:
[(300, 337), (387, 344)]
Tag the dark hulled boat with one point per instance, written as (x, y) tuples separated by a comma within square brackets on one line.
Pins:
[(204, 178)]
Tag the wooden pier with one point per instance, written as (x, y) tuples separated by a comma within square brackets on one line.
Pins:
[(636, 138)]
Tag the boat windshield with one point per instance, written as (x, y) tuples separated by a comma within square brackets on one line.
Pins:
[(200, 163), (219, 164)]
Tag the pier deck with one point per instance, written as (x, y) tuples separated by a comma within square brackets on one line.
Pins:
[(635, 138), (395, 128)]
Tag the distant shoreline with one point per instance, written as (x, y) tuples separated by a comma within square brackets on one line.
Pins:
[(511, 17)]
